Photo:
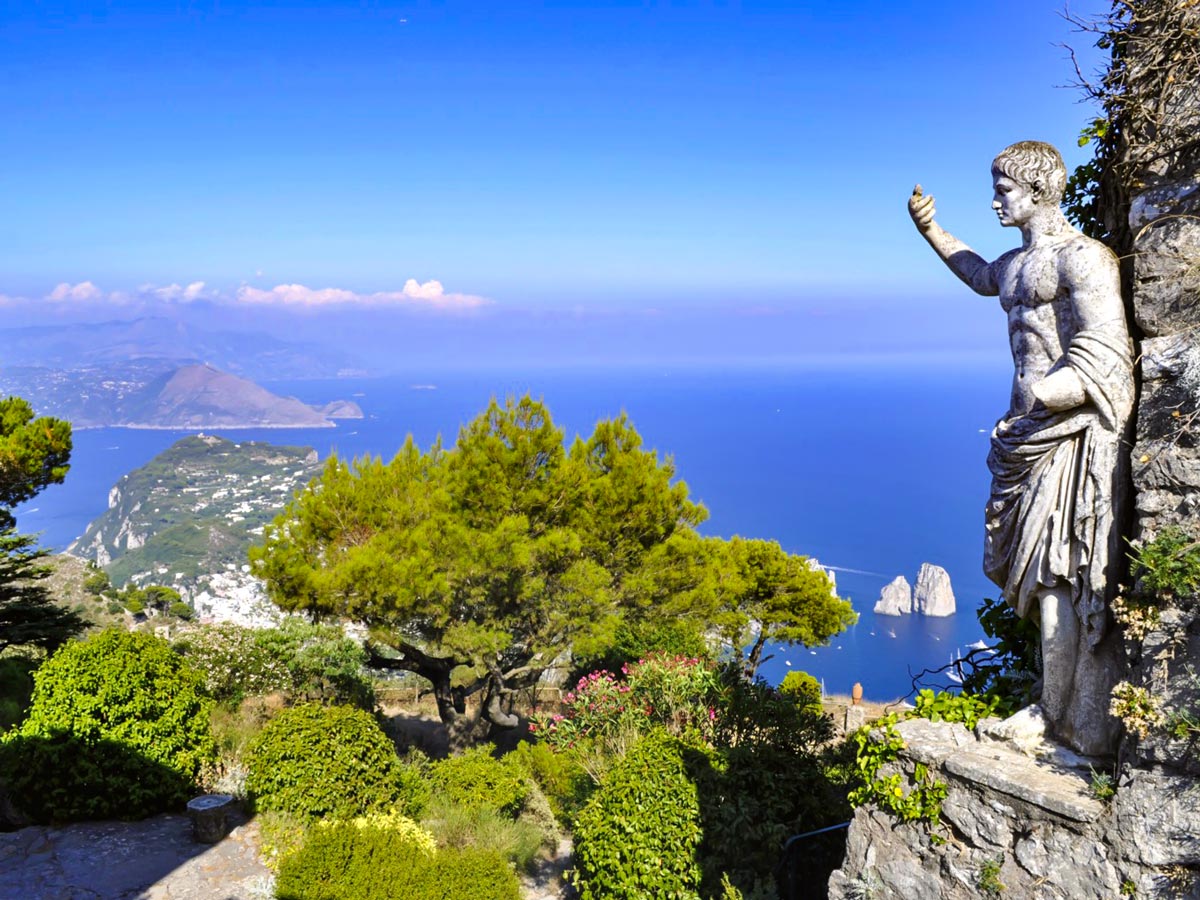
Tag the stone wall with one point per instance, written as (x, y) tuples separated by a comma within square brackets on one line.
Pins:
[(1164, 221), (1018, 826)]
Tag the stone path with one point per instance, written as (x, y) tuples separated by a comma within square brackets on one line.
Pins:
[(155, 859)]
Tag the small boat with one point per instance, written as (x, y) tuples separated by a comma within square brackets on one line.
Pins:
[(955, 672)]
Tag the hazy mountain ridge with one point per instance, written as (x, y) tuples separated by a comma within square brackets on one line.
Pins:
[(166, 343), (141, 394)]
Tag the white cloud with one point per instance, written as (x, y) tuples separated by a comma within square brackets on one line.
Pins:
[(81, 292), (431, 295), (173, 293)]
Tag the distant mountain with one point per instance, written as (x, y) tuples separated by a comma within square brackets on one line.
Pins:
[(166, 343), (140, 395), (200, 396), (188, 517)]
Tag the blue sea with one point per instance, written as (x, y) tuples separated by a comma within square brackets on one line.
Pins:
[(873, 471)]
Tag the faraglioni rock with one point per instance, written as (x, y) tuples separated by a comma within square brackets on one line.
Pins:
[(896, 598), (933, 595)]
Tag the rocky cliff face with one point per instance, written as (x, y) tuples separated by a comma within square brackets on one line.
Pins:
[(1164, 218), (896, 598)]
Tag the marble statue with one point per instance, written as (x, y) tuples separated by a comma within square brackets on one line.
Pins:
[(1059, 456)]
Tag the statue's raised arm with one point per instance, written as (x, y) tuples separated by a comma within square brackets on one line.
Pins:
[(964, 262)]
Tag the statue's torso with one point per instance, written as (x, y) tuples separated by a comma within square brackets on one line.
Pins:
[(1041, 315)]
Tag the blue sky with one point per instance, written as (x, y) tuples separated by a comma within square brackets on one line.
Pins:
[(517, 166)]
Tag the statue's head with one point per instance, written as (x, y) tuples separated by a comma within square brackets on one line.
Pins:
[(1037, 166)]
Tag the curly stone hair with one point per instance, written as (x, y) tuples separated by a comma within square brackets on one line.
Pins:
[(1035, 164)]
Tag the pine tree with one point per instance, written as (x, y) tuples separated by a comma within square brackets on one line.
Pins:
[(34, 453)]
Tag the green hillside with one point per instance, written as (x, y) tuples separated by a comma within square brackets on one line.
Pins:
[(194, 509)]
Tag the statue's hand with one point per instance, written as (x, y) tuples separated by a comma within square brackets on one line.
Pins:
[(1060, 390), (920, 207)]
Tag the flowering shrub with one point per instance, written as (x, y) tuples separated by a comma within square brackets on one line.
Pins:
[(678, 693), (1138, 710), (308, 662)]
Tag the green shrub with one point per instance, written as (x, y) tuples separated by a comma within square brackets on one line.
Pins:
[(640, 832), (388, 858), (561, 778), (118, 725), (323, 663), (233, 662), (329, 761), (181, 610), (97, 583), (476, 780), (1168, 567), (802, 688), (752, 798), (483, 828), (752, 713), (1011, 667), (365, 859), (307, 662), (944, 706), (455, 875)]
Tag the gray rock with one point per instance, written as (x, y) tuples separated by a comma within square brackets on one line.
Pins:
[(933, 595), (1033, 821), (896, 598)]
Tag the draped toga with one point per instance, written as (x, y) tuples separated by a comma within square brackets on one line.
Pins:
[(1051, 516)]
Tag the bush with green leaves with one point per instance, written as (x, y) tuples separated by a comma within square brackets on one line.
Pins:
[(802, 688), (1011, 666), (475, 779), (389, 858), (319, 761), (944, 706), (639, 834), (118, 726), (304, 661), (561, 778)]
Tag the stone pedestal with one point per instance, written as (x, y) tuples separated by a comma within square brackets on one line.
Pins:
[(1031, 824), (210, 815)]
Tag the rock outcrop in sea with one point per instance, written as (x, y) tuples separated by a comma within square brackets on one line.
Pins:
[(933, 595), (895, 599)]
